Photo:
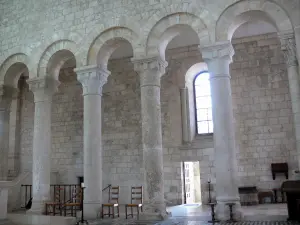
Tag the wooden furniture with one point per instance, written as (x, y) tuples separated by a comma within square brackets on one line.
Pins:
[(74, 205), (280, 168), (113, 202), (276, 191), (248, 195), (298, 208), (136, 201), (265, 194), (53, 208), (231, 219), (292, 190)]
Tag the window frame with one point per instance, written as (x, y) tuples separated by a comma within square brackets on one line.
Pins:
[(195, 105)]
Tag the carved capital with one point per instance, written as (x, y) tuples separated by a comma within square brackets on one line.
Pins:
[(288, 47), (43, 88), (150, 70), (218, 57), (220, 50), (7, 94), (92, 79)]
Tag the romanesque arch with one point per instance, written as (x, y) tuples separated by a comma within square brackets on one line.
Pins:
[(107, 42), (55, 56), (169, 27), (13, 67), (243, 11)]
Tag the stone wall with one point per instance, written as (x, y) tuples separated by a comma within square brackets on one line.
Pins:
[(78, 19), (262, 112)]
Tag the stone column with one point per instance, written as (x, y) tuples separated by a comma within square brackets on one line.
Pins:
[(297, 40), (288, 46), (14, 137), (6, 95), (92, 79), (150, 71), (43, 89), (218, 57)]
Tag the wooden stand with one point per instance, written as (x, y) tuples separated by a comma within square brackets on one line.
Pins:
[(292, 190)]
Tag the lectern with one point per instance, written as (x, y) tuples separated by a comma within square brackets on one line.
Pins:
[(292, 191)]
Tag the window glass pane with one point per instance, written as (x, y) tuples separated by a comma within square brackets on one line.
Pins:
[(203, 103), (209, 114), (201, 114), (202, 127)]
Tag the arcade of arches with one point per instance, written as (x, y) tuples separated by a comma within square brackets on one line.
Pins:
[(112, 99)]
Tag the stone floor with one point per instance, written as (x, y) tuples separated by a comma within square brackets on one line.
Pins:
[(178, 221), (195, 214), (191, 221)]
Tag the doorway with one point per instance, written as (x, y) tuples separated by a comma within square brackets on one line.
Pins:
[(191, 182)]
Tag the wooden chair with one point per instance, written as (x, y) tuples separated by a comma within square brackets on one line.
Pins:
[(265, 194), (53, 207), (136, 201), (75, 204), (113, 202)]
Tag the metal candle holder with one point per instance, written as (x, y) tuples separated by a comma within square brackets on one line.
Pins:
[(82, 220), (209, 194)]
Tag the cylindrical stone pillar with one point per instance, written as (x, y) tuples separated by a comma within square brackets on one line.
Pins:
[(288, 46), (150, 71), (6, 95), (297, 40), (92, 79), (43, 89), (218, 57)]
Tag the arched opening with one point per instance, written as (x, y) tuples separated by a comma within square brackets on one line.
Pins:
[(17, 95), (261, 102), (121, 114), (118, 40), (243, 11), (66, 116), (175, 26), (179, 45)]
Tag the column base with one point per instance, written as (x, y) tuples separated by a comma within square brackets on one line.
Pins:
[(154, 212), (91, 210), (37, 208), (222, 210)]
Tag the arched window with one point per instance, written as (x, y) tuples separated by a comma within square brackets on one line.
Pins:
[(203, 103)]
